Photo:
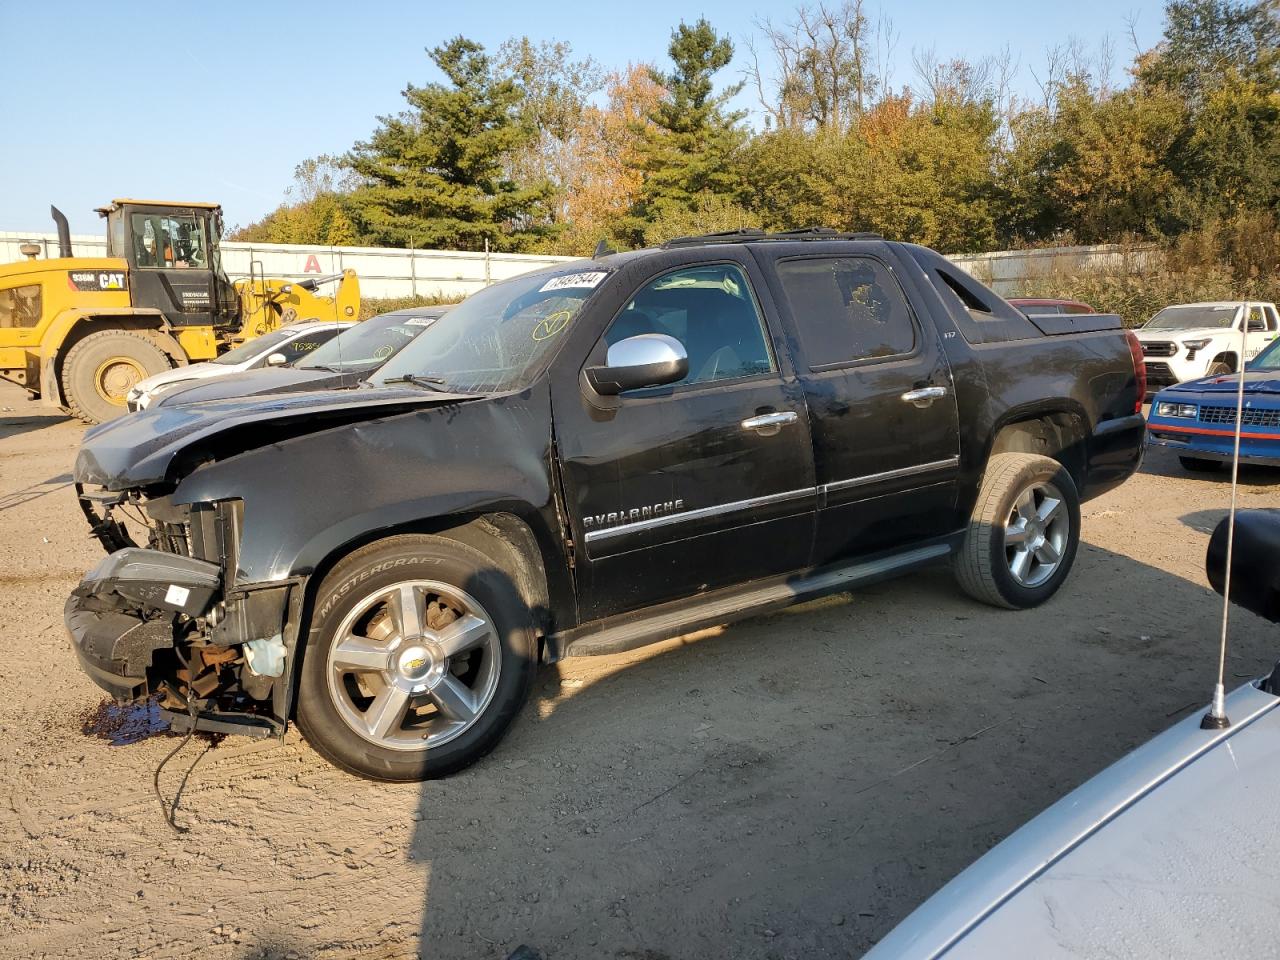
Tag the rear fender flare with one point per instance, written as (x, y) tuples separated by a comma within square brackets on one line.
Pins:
[(1054, 427)]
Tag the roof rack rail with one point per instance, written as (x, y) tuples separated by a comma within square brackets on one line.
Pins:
[(754, 235)]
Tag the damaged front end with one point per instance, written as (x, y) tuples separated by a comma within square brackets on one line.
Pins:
[(192, 605), (165, 620)]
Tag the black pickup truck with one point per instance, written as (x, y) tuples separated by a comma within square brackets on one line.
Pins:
[(583, 459)]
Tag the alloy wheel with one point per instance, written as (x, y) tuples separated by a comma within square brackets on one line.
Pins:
[(414, 665), (1036, 534)]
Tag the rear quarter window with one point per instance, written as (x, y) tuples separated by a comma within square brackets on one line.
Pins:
[(981, 315)]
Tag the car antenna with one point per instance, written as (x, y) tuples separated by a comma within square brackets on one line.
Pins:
[(602, 249), (1216, 718)]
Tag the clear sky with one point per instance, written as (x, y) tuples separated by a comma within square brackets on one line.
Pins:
[(218, 101)]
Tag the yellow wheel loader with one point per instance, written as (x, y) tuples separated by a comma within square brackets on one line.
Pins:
[(78, 332)]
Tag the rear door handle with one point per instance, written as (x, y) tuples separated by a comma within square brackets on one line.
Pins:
[(924, 396), (767, 424)]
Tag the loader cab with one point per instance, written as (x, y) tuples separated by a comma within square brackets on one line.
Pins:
[(174, 258)]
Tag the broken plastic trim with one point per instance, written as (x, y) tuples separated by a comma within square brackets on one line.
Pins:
[(110, 533)]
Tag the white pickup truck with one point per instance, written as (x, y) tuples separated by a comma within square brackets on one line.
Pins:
[(1188, 341)]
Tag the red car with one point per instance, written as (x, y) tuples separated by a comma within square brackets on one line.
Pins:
[(1049, 305)]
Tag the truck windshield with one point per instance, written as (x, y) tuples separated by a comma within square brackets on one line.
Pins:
[(1192, 317), (367, 344), (497, 339)]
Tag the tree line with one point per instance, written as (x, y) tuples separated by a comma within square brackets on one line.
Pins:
[(531, 149)]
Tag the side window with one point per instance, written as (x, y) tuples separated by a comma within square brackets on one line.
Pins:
[(20, 306), (709, 309), (1271, 317), (1255, 319), (846, 309), (302, 345)]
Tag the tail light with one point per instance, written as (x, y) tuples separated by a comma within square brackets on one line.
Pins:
[(1139, 368)]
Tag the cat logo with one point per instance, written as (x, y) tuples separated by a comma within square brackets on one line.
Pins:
[(84, 281)]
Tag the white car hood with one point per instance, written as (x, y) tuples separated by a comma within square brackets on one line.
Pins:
[(1173, 851), (1192, 333), (192, 371)]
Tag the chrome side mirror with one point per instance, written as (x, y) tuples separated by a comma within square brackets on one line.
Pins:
[(277, 360), (647, 360)]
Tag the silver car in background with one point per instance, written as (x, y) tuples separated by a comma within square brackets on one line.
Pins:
[(278, 347), (342, 363)]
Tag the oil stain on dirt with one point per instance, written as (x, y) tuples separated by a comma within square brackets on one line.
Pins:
[(124, 724)]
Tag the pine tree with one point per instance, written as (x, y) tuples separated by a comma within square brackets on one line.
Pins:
[(434, 176), (689, 145)]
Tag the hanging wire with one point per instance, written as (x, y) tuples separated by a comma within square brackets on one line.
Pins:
[(1217, 715)]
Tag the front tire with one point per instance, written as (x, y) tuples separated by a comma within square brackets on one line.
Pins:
[(1218, 369), (421, 653), (1022, 539), (99, 370)]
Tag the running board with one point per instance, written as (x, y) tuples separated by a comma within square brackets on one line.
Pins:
[(724, 606)]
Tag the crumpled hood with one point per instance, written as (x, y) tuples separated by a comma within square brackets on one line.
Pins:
[(1255, 381), (255, 382), (138, 449)]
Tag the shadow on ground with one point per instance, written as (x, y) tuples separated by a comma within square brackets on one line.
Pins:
[(14, 424), (35, 491), (794, 785), (1162, 462)]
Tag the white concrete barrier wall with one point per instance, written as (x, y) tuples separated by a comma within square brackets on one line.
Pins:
[(1005, 271), (389, 272), (383, 272)]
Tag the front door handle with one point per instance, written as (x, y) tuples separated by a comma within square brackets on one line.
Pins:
[(924, 396), (767, 424)]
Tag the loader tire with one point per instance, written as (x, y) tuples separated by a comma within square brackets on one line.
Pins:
[(99, 370)]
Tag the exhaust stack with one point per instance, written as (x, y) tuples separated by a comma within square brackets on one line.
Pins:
[(64, 232)]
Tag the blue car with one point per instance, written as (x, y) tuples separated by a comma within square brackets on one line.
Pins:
[(1197, 419)]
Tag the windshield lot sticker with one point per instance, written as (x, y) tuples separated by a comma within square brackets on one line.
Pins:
[(550, 325), (574, 281)]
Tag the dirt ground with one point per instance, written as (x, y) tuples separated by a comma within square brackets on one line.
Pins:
[(791, 786)]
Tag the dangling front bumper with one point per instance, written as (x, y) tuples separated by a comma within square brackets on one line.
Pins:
[(131, 605)]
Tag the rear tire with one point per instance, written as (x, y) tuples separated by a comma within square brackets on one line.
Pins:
[(99, 370), (380, 694), (1198, 465), (1024, 532)]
